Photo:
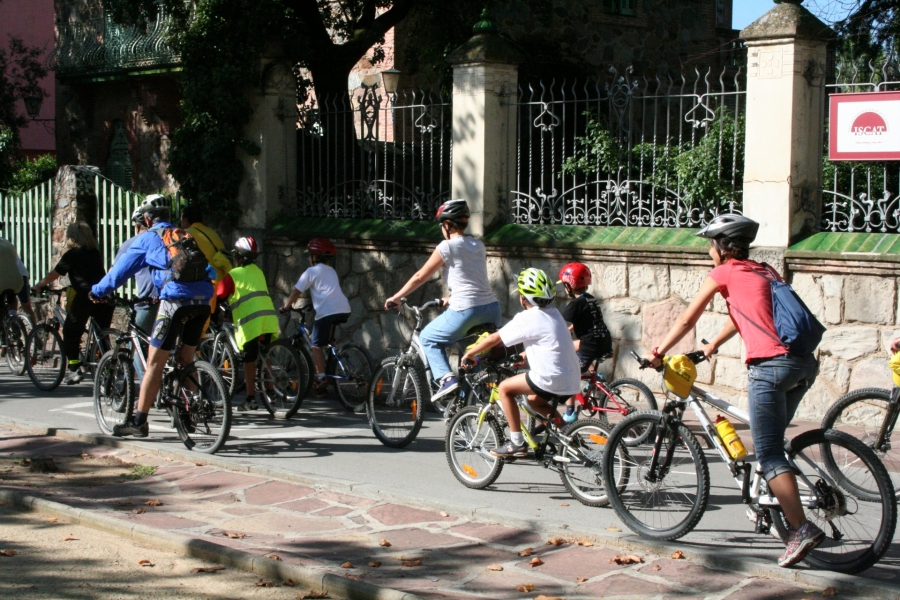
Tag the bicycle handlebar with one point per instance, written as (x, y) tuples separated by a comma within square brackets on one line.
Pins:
[(695, 357)]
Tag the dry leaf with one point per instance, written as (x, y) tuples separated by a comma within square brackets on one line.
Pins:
[(613, 528), (581, 579), (656, 567), (69, 539), (626, 559), (385, 544), (289, 583), (51, 520), (233, 535), (139, 511), (347, 565), (313, 595), (273, 556), (527, 552), (412, 563), (587, 543), (494, 568), (355, 577), (557, 541), (168, 459), (207, 569), (8, 552), (526, 587), (543, 597), (678, 555), (374, 563), (264, 583), (146, 563), (153, 503), (535, 562), (564, 504), (445, 514), (828, 592)]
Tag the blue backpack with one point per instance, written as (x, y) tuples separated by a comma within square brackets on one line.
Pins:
[(798, 329)]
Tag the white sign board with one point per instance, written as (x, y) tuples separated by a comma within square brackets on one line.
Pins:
[(864, 126)]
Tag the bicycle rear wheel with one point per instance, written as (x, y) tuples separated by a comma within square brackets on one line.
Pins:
[(353, 370), (394, 406), (583, 477), (100, 345), (223, 360), (113, 390), (631, 396), (201, 408), (662, 505), (15, 345), (468, 448), (45, 358), (859, 526), (281, 376)]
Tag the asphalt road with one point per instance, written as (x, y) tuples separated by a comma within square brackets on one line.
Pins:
[(326, 441)]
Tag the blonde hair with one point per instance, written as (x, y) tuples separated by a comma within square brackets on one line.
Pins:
[(79, 235)]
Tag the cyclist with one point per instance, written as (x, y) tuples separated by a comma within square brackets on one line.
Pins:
[(778, 379), (211, 245), (593, 340), (245, 289), (471, 302), (10, 278), (83, 263), (183, 306), (554, 366), (329, 302), (24, 295)]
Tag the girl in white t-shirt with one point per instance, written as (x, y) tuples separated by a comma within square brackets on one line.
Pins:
[(554, 368), (329, 301), (471, 302)]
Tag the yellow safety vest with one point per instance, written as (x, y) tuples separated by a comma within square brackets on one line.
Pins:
[(251, 307)]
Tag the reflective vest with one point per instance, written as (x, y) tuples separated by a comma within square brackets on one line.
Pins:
[(251, 307)]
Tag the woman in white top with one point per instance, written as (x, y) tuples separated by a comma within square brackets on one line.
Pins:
[(471, 302)]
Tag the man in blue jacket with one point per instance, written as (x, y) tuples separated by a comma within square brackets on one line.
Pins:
[(183, 306)]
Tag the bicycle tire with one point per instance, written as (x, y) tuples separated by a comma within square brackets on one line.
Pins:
[(471, 464), (282, 367), (195, 410), (877, 515), (586, 484), (113, 390), (353, 391), (99, 346), (395, 421), (631, 393), (861, 413), (225, 362), (15, 346), (45, 358), (306, 353), (635, 492)]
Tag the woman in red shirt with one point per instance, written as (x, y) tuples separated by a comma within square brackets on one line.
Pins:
[(778, 379)]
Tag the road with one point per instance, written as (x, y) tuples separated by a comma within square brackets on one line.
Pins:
[(324, 440)]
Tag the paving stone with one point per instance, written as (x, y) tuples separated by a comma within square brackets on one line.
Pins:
[(338, 549), (621, 584), (395, 514), (762, 589), (466, 556), (497, 534), (222, 540), (218, 481), (177, 474), (243, 511), (307, 505), (161, 520), (691, 575), (280, 523), (409, 539), (163, 471), (274, 492), (345, 499), (131, 491), (503, 584), (334, 511), (575, 561), (229, 498)]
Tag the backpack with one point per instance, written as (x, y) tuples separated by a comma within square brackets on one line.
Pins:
[(185, 258), (798, 329)]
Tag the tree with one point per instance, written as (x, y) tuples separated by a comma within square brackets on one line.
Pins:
[(868, 29)]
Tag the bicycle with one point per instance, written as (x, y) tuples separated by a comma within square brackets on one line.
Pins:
[(194, 395), (12, 337), (844, 488), (45, 357)]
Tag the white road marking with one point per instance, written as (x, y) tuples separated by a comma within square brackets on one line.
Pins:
[(76, 405)]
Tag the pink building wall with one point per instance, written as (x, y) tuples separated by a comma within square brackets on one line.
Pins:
[(32, 20)]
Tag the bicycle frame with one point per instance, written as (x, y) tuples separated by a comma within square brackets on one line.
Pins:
[(330, 350)]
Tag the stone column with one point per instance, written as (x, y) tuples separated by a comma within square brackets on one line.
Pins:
[(485, 78), (786, 50), (73, 200), (270, 177)]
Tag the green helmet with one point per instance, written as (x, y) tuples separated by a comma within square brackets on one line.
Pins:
[(535, 285)]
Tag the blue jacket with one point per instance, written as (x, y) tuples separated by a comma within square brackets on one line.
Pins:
[(143, 278), (148, 250)]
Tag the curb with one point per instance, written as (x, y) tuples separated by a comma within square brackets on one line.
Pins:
[(337, 586), (851, 585)]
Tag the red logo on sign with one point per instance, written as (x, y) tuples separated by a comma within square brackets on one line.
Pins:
[(869, 123)]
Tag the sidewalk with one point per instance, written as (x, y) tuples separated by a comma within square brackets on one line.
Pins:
[(432, 554)]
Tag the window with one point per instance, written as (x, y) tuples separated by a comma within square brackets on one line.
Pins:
[(619, 7)]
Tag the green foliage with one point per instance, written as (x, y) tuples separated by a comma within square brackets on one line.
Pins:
[(140, 471), (8, 156), (32, 172)]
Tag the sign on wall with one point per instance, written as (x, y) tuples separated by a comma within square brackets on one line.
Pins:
[(864, 126)]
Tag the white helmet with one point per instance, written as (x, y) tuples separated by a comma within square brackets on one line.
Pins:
[(154, 204)]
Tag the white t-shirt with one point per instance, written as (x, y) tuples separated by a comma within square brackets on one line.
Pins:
[(465, 271), (553, 364), (325, 289), (19, 264)]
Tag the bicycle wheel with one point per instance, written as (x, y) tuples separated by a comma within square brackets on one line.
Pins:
[(394, 406), (861, 414), (352, 369), (584, 478), (669, 506), (859, 528), (468, 448), (281, 375), (222, 359), (113, 390), (630, 395), (15, 348), (100, 345), (306, 354), (45, 359), (201, 408)]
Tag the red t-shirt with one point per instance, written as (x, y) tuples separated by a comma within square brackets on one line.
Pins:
[(751, 294)]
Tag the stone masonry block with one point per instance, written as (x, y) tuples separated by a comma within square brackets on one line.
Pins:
[(648, 283), (809, 290), (709, 325), (719, 305), (731, 372), (626, 366), (849, 343), (816, 402), (366, 262), (869, 299), (394, 260), (615, 282), (871, 372), (658, 319), (887, 336), (686, 282), (835, 372), (622, 319), (833, 288)]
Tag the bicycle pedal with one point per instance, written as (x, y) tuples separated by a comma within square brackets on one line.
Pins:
[(561, 459)]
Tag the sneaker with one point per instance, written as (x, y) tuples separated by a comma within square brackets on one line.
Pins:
[(449, 385), (128, 428), (74, 377), (249, 404), (510, 450), (799, 544), (319, 388), (570, 418)]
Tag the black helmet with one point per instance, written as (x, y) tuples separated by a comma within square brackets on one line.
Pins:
[(453, 210), (735, 227)]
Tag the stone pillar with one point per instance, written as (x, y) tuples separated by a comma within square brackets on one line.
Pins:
[(270, 177), (485, 78), (73, 200), (786, 50)]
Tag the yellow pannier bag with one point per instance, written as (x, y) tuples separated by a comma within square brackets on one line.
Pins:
[(680, 374)]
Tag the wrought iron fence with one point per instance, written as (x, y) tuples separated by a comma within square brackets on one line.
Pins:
[(374, 155), (27, 218), (861, 196), (661, 152)]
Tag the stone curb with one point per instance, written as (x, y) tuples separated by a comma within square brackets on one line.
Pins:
[(340, 587), (715, 559)]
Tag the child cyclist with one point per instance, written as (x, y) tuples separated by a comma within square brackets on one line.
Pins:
[(329, 302), (593, 341), (254, 315), (553, 363)]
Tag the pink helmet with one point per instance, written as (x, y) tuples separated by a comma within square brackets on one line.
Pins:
[(576, 274)]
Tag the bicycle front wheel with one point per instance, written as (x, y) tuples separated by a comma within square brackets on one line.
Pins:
[(45, 359), (394, 406), (582, 470), (113, 390), (222, 359), (201, 408), (628, 396), (15, 346), (352, 370), (100, 345), (468, 448), (282, 375), (660, 499)]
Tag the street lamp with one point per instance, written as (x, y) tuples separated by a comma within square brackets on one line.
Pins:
[(33, 102), (391, 79)]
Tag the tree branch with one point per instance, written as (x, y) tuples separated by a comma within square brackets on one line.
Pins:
[(308, 14), (365, 38)]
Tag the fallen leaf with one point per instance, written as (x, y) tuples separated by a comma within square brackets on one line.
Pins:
[(626, 559), (146, 563), (581, 579), (51, 520), (678, 555), (85, 456), (69, 539), (374, 563), (412, 563), (313, 595), (527, 552), (198, 464), (535, 562), (264, 583), (8, 552), (233, 535), (543, 597), (139, 511), (587, 543), (828, 592), (347, 565), (656, 567), (557, 541), (612, 528), (207, 569), (289, 583), (385, 544), (153, 503), (355, 577), (445, 514), (494, 568), (564, 504), (526, 587), (273, 556)]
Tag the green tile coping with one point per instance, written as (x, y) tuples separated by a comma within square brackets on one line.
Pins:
[(847, 245)]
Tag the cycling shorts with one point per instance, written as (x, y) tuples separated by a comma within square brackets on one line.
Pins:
[(323, 329), (179, 317), (251, 348), (542, 393), (24, 294)]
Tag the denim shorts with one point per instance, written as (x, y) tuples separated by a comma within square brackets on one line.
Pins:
[(776, 387)]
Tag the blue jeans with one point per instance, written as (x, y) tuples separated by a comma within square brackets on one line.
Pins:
[(776, 387), (448, 327)]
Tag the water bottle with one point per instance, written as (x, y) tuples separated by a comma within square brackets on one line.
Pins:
[(730, 438)]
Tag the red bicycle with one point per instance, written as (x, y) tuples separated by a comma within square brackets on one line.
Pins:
[(610, 402)]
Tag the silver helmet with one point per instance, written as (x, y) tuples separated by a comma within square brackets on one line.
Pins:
[(735, 227)]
